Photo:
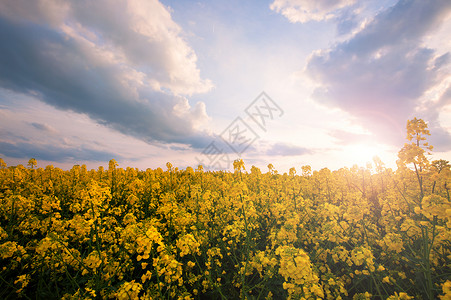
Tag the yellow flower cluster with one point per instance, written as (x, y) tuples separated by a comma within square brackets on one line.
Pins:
[(129, 291), (446, 288), (353, 233), (188, 245), (93, 261), (10, 249), (300, 280), (363, 256)]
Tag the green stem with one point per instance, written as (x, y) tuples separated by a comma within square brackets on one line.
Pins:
[(246, 251)]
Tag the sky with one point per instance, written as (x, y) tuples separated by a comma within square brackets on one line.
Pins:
[(287, 82)]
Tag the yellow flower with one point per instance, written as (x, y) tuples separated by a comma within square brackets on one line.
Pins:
[(446, 288), (23, 280), (129, 291), (400, 296)]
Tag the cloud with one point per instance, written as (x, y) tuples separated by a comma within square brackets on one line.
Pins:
[(53, 152), (380, 75), (43, 127), (135, 32), (347, 138), (284, 149), (306, 10), (124, 64), (440, 137)]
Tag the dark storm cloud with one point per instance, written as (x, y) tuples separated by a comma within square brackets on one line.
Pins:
[(380, 74)]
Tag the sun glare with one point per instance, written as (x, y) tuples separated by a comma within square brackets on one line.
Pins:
[(362, 154)]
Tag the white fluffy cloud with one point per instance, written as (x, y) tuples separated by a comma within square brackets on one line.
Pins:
[(123, 63), (381, 74), (137, 33), (306, 10)]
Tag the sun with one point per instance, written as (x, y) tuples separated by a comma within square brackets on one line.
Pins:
[(362, 154)]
